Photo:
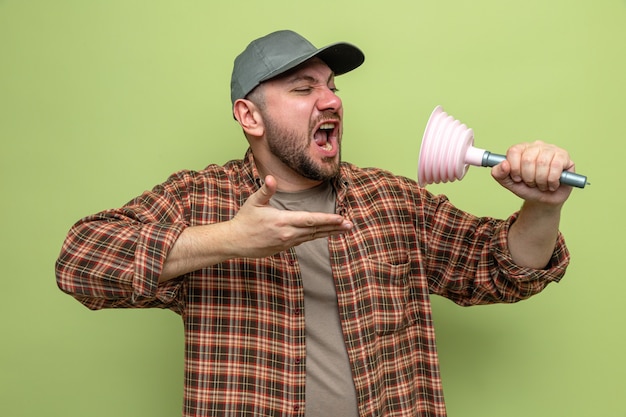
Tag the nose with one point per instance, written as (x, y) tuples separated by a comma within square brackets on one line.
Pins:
[(329, 100)]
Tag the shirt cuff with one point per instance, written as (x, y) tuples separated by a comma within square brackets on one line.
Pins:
[(554, 271), (153, 245)]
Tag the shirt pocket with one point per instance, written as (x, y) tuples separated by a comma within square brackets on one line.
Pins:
[(390, 291)]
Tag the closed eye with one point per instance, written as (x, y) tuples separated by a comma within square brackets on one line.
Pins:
[(303, 90), (307, 90)]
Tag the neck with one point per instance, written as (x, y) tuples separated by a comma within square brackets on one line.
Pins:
[(286, 178)]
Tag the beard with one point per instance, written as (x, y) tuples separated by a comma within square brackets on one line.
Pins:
[(292, 149)]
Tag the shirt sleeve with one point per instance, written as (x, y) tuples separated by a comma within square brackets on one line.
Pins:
[(468, 260), (114, 258)]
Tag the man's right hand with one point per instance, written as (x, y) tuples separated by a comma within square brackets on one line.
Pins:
[(258, 230)]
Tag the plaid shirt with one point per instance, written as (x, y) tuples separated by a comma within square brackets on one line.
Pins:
[(244, 321)]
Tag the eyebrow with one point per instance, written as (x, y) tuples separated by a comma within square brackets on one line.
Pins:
[(304, 77)]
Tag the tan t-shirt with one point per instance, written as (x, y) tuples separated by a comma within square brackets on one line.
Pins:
[(329, 386)]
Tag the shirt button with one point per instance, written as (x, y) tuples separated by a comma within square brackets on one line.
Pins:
[(297, 362), (296, 311), (296, 408)]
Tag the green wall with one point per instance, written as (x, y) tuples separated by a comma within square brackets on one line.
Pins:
[(100, 100)]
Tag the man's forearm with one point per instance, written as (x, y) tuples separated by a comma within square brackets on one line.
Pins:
[(197, 247), (533, 236)]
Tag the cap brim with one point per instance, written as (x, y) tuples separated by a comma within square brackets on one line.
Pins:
[(341, 57)]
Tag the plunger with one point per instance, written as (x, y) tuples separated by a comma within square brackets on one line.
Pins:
[(447, 151)]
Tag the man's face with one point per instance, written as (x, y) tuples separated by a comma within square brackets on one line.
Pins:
[(302, 116)]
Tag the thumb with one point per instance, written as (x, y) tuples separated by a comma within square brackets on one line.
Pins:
[(501, 172), (263, 196)]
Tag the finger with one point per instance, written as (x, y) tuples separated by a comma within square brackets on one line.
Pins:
[(326, 230), (312, 233), (561, 162), (501, 171), (322, 221), (513, 156), (311, 225), (543, 170), (263, 196), (528, 167)]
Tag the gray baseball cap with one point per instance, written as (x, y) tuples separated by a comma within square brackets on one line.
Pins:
[(278, 52)]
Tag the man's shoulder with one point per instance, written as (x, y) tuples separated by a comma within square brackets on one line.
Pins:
[(233, 174), (368, 175)]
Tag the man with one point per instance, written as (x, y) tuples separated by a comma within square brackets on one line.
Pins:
[(303, 281)]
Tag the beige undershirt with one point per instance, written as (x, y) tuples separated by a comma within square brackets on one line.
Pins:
[(329, 385)]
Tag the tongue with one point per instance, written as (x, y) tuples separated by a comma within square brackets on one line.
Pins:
[(321, 137)]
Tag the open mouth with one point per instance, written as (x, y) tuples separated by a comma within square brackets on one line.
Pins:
[(325, 136)]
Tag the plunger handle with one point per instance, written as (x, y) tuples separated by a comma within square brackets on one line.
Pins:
[(569, 178)]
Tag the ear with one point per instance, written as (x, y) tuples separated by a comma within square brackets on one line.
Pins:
[(249, 117)]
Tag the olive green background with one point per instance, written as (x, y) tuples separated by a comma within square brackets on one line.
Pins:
[(100, 100)]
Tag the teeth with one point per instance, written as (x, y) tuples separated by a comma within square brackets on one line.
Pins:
[(327, 126)]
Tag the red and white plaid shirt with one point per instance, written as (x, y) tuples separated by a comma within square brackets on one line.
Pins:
[(244, 318)]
